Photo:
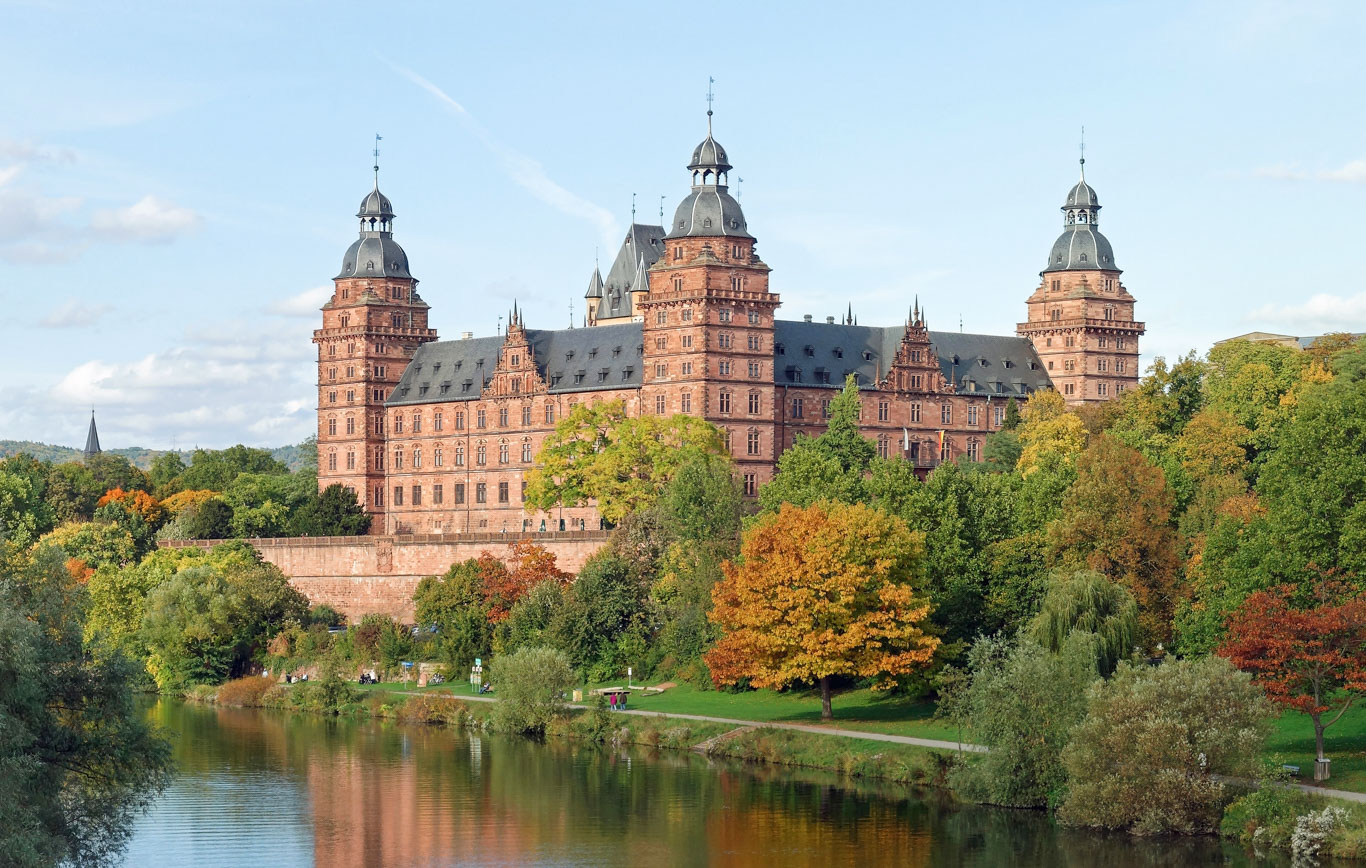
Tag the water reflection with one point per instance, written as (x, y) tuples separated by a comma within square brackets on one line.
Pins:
[(267, 789)]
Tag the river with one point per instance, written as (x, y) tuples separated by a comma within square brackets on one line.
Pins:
[(266, 789)]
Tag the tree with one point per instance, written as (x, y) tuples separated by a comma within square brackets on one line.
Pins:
[(1311, 658), (454, 603), (109, 470), (821, 592), (829, 467), (1012, 418), (1116, 520), (1155, 741), (335, 512), (605, 619), (598, 453), (21, 514), (95, 543), (212, 520), (1085, 602), (78, 760), (216, 470), (530, 685), (527, 564), (164, 473), (1050, 434), (703, 503)]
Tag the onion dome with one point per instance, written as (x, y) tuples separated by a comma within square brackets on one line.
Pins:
[(375, 253), (709, 210), (1081, 247)]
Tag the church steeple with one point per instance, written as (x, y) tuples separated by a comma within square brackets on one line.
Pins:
[(92, 439)]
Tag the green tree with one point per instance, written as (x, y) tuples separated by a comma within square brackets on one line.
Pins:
[(530, 685), (335, 512), (702, 503), (1086, 603), (78, 760), (622, 463), (212, 520), (529, 619), (454, 603), (110, 471), (606, 604), (165, 472), (22, 518), (829, 467), (72, 492), (95, 543), (1154, 743), (216, 470)]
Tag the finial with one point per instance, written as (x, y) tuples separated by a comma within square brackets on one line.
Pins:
[(571, 313), (378, 137), (633, 209), (500, 323), (739, 187), (661, 210), (710, 97), (1082, 148)]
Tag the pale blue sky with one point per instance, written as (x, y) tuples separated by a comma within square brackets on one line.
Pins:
[(177, 181)]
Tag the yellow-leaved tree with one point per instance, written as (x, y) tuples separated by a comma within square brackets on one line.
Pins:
[(832, 589)]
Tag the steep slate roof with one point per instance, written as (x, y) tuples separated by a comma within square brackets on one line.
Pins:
[(611, 357), (626, 275), (92, 439), (607, 357), (867, 351)]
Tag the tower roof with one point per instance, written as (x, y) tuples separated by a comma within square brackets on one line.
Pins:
[(594, 285), (375, 253), (1081, 247), (709, 155), (92, 439)]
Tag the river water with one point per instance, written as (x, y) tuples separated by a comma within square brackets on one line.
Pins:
[(263, 789)]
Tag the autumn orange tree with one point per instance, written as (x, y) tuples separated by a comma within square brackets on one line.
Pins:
[(828, 590), (505, 582), (1311, 658)]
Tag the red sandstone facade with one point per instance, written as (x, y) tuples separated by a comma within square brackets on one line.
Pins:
[(438, 437)]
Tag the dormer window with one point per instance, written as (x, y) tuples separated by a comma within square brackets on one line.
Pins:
[(809, 350), (593, 353), (839, 352), (779, 350), (616, 351), (867, 356), (569, 356)]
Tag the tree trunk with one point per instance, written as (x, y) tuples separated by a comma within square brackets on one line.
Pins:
[(826, 713), (1318, 735)]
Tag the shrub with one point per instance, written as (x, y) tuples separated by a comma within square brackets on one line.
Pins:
[(431, 708), (530, 684), (1265, 817), (1023, 702), (246, 692), (1154, 738), (1313, 830)]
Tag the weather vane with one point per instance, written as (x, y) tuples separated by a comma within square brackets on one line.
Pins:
[(710, 81), (376, 153), (1082, 149)]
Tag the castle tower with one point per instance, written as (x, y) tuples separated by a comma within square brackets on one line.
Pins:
[(1081, 318), (371, 327), (708, 319)]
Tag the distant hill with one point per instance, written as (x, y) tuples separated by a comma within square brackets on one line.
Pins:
[(294, 457)]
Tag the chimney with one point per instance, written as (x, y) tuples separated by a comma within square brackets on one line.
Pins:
[(807, 318), (830, 320), (464, 336)]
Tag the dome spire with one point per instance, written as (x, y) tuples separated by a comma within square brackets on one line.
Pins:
[(1083, 154), (376, 153), (710, 81)]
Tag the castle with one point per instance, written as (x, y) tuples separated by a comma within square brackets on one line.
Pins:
[(436, 437)]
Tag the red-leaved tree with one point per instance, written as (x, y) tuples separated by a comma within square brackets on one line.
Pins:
[(1311, 657), (505, 582)]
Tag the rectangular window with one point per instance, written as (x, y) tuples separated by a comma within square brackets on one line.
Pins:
[(685, 402), (754, 403), (974, 451), (825, 408), (331, 397), (883, 447), (350, 461), (946, 413), (723, 402), (752, 341), (398, 459), (480, 419), (460, 420), (481, 455), (751, 485), (526, 415), (915, 411), (526, 452), (972, 415), (1102, 388), (398, 495), (481, 493), (332, 461), (661, 369), (502, 492), (436, 421), (998, 415), (755, 371), (687, 315), (659, 405), (724, 315), (417, 423), (437, 493), (523, 493), (723, 368), (550, 414), (459, 493), (884, 411), (661, 343), (687, 369), (752, 443), (796, 408), (723, 340), (661, 317), (398, 424), (332, 426), (417, 495), (502, 417), (459, 456), (379, 495)]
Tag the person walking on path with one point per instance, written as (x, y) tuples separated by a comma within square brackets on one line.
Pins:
[(612, 699)]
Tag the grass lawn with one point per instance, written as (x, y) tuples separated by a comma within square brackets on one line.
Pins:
[(854, 709), (1292, 740)]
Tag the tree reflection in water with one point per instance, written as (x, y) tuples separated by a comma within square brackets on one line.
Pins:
[(261, 787)]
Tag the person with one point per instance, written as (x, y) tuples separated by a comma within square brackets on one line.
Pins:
[(612, 700), (621, 703)]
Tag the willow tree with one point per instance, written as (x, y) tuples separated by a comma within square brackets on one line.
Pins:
[(1088, 603)]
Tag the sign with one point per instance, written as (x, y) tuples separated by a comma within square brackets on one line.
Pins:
[(478, 662)]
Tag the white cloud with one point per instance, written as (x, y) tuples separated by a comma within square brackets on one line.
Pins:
[(1320, 314), (304, 304), (74, 314), (148, 219), (525, 171), (1352, 172)]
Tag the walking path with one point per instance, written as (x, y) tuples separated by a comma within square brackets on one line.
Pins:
[(798, 727)]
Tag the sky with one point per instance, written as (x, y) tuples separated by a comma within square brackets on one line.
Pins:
[(178, 181)]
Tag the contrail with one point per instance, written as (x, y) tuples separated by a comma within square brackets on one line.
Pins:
[(526, 172)]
